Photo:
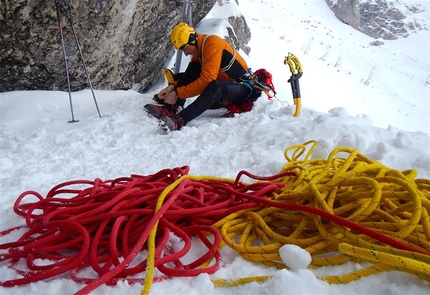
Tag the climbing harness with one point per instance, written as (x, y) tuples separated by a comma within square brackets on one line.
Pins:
[(296, 72), (63, 7), (343, 208)]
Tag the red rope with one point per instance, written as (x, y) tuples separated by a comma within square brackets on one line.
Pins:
[(106, 224)]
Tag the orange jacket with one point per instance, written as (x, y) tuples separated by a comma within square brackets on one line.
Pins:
[(219, 60)]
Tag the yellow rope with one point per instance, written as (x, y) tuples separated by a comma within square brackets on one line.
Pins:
[(151, 239), (149, 276), (410, 262), (346, 184)]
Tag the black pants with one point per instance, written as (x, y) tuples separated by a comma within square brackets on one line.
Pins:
[(213, 96)]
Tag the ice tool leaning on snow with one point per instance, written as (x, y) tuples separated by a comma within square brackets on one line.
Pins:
[(217, 74), (296, 72)]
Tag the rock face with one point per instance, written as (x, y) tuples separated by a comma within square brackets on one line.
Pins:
[(241, 39), (381, 18), (124, 42)]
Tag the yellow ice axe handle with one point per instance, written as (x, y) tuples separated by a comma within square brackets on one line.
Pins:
[(298, 104), (295, 88)]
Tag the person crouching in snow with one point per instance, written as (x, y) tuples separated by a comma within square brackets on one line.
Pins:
[(213, 74)]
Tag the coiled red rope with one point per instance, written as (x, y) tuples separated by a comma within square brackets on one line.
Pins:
[(104, 226)]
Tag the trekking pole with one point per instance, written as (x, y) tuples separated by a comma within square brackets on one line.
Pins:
[(57, 4), (186, 18), (65, 6), (81, 57), (296, 72)]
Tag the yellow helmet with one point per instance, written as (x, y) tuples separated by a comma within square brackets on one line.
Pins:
[(182, 35)]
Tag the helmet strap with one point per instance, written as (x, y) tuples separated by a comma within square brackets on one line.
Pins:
[(192, 40)]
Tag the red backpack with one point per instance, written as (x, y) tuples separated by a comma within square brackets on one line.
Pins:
[(264, 82)]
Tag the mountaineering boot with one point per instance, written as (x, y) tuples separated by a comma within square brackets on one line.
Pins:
[(160, 111), (172, 123)]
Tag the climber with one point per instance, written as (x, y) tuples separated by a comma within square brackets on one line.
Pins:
[(213, 74)]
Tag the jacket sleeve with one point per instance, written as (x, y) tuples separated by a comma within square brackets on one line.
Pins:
[(211, 62)]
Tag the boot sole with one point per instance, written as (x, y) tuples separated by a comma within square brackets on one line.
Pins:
[(152, 112), (166, 124)]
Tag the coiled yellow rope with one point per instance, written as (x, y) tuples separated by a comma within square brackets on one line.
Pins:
[(348, 185)]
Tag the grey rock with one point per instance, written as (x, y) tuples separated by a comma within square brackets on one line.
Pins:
[(377, 42), (243, 36), (124, 42), (381, 19)]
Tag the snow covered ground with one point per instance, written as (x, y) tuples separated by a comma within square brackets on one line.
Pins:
[(372, 98)]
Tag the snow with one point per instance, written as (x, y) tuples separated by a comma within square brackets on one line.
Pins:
[(295, 257), (372, 98)]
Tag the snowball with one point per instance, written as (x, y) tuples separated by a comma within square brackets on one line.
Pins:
[(295, 257), (382, 148)]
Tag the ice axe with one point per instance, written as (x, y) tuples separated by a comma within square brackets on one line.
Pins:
[(296, 72), (170, 77)]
